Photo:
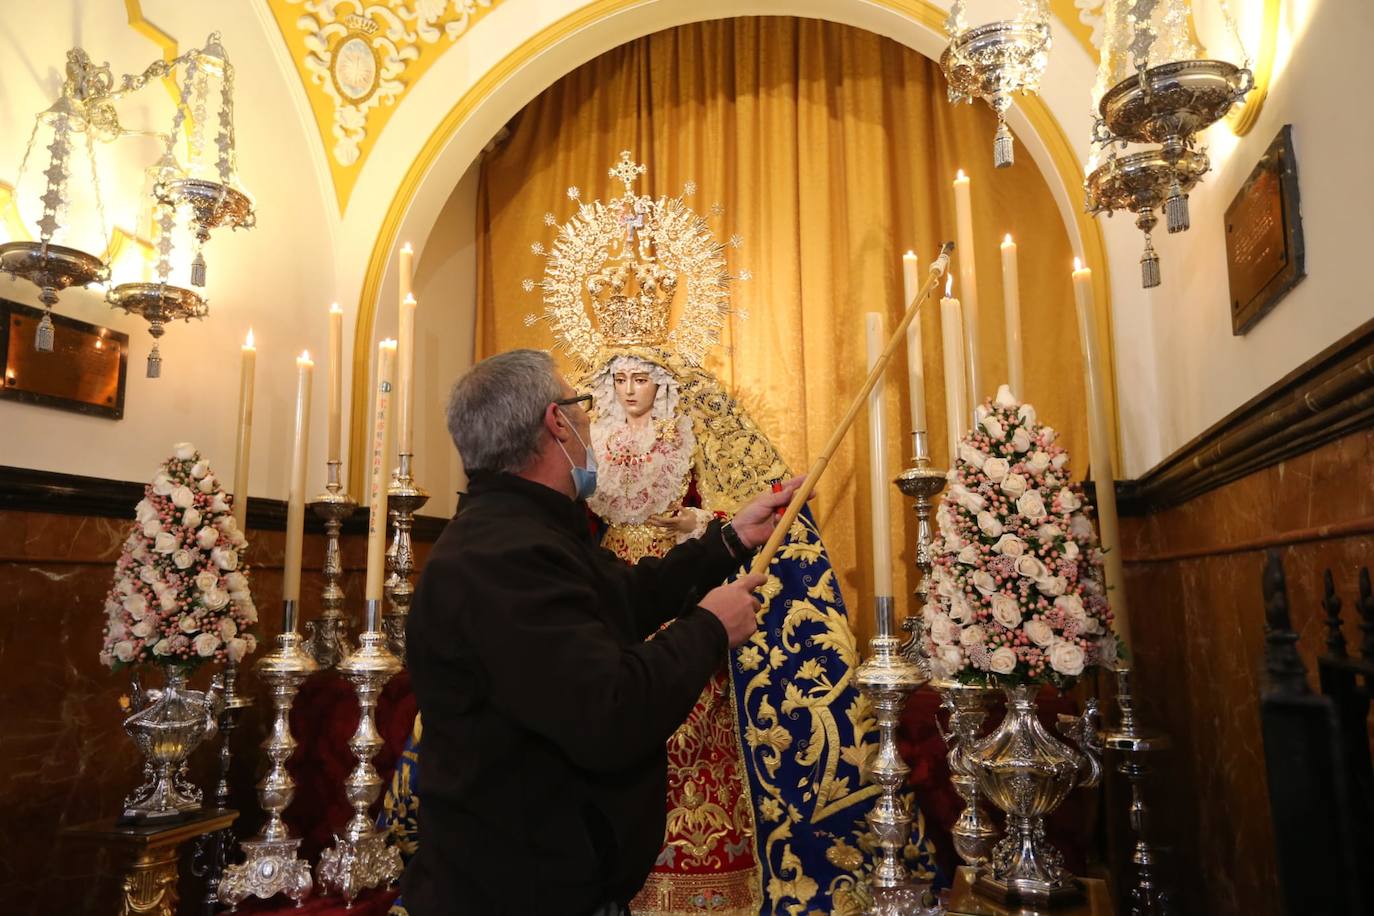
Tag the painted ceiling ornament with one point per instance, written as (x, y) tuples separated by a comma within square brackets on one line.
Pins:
[(617, 272), (359, 59)]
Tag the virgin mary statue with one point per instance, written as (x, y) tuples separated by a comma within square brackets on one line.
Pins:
[(767, 788)]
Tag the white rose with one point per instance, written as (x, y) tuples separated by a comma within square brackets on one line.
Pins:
[(228, 629), (188, 623), (1049, 533), (152, 528), (973, 636), (139, 553), (1068, 500), (1006, 611), (182, 497), (1070, 550), (218, 504), (982, 580), (206, 537), (1040, 633), (236, 582), (944, 583), (163, 647), (1027, 414), (1004, 398), (124, 650), (971, 455), (225, 558), (1091, 626), (1029, 567), (144, 628), (191, 517), (959, 609), (215, 599), (182, 559), (165, 542), (979, 413), (206, 644), (1048, 435), (1072, 606), (184, 450), (117, 629), (239, 540), (149, 574), (162, 484), (1013, 485), (206, 580), (1051, 585), (125, 587), (206, 485), (943, 630), (968, 499), (236, 648), (1010, 545), (136, 605), (1031, 505), (144, 510), (1003, 661), (167, 600), (200, 469), (249, 612), (951, 659), (1020, 440), (994, 428), (1038, 462), (996, 468), (1081, 528), (1066, 658), (969, 555), (1058, 461), (989, 525)]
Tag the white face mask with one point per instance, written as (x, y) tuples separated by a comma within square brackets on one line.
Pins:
[(584, 478)]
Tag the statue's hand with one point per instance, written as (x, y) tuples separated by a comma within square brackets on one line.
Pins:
[(681, 521)]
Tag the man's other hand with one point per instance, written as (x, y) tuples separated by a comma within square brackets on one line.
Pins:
[(755, 522), (736, 607)]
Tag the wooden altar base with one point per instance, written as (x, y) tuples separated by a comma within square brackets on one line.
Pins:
[(148, 856), (964, 901)]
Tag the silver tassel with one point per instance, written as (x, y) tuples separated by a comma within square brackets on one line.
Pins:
[(198, 270), (1176, 210), (154, 362), (1149, 266), (1003, 148), (42, 340)]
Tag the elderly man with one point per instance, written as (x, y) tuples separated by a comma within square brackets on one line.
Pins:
[(546, 706)]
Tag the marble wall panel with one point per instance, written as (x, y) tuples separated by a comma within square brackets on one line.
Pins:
[(1194, 582), (67, 759)]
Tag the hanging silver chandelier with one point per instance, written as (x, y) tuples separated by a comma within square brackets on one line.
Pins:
[(995, 60)]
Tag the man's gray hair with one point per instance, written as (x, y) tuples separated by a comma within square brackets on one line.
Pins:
[(496, 410)]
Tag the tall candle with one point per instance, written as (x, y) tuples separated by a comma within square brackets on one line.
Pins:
[(248, 367), (1099, 450), (968, 286), (878, 482), (295, 494), (956, 394), (381, 471), (1011, 292), (405, 374), (407, 272), (915, 369), (335, 382)]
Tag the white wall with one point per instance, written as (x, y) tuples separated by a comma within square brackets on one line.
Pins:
[(1203, 372), (277, 278)]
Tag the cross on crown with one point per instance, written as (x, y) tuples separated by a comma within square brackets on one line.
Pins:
[(626, 170)]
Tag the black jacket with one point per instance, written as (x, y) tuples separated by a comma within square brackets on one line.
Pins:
[(543, 772)]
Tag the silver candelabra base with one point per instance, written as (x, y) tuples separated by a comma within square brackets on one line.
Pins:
[(327, 637)]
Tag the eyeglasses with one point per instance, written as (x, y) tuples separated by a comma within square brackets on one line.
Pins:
[(584, 399)]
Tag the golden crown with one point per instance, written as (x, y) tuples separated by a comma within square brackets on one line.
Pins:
[(623, 263)]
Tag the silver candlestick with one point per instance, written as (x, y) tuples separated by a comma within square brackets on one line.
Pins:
[(922, 482), (212, 851), (271, 865), (1148, 896), (361, 857), (327, 638), (403, 497)]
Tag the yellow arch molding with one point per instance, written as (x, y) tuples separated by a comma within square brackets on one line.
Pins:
[(1066, 166), (140, 24), (1243, 117)]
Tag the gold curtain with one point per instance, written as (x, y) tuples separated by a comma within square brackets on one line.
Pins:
[(832, 150)]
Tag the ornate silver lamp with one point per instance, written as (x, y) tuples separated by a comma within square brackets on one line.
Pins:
[(1154, 87), (361, 857), (271, 865), (995, 60), (403, 498), (327, 641)]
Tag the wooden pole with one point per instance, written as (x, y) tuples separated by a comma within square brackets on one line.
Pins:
[(813, 475)]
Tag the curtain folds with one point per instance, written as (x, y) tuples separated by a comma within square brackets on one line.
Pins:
[(831, 151)]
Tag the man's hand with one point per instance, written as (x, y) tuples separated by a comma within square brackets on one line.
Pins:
[(735, 607), (755, 522)]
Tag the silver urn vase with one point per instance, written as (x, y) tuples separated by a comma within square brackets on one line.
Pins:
[(1027, 772), (167, 724)]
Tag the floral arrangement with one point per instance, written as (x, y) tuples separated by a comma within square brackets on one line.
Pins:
[(180, 595), (1016, 586)]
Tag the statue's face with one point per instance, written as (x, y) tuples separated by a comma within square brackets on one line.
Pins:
[(635, 391)]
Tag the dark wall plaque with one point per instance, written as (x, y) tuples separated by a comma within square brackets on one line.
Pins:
[(1264, 248), (85, 371)]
